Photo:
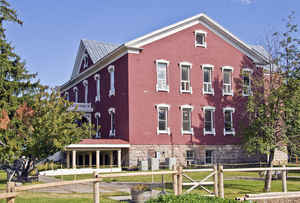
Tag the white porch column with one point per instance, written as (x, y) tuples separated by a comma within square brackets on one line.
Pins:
[(111, 158), (119, 158), (73, 159), (68, 159), (83, 160), (97, 158), (90, 159)]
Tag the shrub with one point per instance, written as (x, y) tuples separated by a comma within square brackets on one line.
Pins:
[(190, 198)]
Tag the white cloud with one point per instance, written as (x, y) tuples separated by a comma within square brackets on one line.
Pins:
[(246, 1)]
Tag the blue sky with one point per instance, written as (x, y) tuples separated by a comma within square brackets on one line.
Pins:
[(49, 39)]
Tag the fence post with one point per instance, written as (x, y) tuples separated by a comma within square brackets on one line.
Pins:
[(175, 182), (216, 181), (11, 187), (96, 190), (283, 177), (179, 180), (221, 181)]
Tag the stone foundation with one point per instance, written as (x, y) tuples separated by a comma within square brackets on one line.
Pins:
[(220, 154)]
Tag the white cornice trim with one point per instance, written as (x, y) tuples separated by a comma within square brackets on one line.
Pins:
[(81, 146), (189, 22)]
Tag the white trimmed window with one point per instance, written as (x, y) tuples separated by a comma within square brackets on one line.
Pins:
[(162, 118), (75, 90), (228, 120), (97, 78), (85, 61), (246, 73), (86, 90), (97, 117), (162, 79), (67, 97), (111, 70), (200, 38), (185, 80), (227, 80), (209, 126), (112, 114), (186, 118), (207, 79), (190, 155)]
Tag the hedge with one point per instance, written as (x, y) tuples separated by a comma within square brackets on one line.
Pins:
[(190, 198)]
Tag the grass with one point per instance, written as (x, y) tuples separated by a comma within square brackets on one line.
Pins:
[(30, 197)]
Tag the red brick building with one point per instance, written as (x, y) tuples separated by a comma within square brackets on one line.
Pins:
[(179, 91)]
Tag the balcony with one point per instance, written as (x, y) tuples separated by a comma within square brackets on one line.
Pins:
[(81, 107)]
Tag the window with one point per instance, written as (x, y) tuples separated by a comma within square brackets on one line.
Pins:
[(162, 110), (190, 155), (209, 120), (85, 61), (186, 111), (227, 80), (185, 83), (200, 38), (207, 77), (208, 156), (86, 89), (228, 121), (161, 70), (112, 114), (67, 96), (97, 78), (247, 82), (97, 117), (111, 70), (75, 90)]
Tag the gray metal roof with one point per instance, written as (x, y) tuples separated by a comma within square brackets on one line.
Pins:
[(261, 50), (98, 50)]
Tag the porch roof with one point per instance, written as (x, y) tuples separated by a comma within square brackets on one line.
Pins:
[(99, 144)]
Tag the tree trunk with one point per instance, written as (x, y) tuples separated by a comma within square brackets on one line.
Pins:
[(268, 177)]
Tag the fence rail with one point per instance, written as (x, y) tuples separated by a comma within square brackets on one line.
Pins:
[(217, 172)]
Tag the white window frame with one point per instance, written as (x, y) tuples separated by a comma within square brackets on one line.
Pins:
[(67, 97), (185, 132), (166, 106), (189, 75), (230, 68), (112, 132), (97, 117), (200, 32), (193, 155), (250, 79), (232, 110), (86, 90), (166, 88), (211, 67), (212, 109), (75, 90), (97, 78), (85, 61), (111, 70)]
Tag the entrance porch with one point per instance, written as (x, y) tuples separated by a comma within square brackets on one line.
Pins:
[(96, 153)]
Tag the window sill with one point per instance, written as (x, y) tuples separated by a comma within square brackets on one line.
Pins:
[(228, 94), (186, 91), (213, 132), (211, 93), (163, 131), (165, 89), (229, 132), (247, 95), (201, 45), (185, 132)]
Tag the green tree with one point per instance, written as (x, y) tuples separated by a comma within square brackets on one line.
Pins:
[(34, 122), (274, 109)]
